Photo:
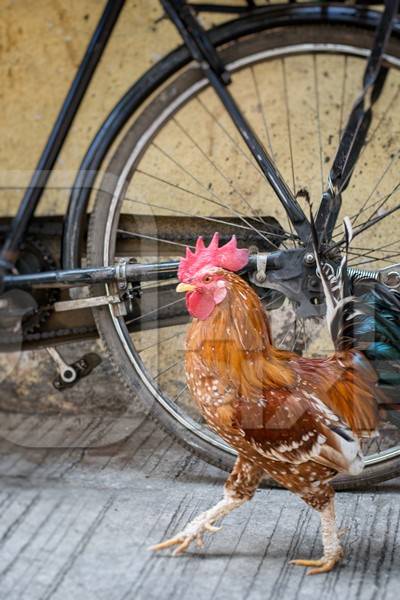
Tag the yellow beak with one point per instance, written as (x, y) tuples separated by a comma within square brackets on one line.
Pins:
[(185, 287)]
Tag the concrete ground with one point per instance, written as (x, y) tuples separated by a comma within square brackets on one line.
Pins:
[(76, 523)]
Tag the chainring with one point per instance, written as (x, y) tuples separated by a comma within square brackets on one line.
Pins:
[(34, 257)]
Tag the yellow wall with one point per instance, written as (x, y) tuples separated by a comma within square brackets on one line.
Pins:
[(41, 45)]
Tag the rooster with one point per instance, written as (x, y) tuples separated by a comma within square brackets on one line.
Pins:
[(298, 420)]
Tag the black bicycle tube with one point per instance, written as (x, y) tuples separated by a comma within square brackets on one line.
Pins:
[(93, 275), (205, 54), (134, 272), (237, 9), (33, 193), (260, 19), (357, 126), (265, 163)]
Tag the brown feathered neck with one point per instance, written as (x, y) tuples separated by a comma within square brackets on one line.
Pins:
[(235, 342)]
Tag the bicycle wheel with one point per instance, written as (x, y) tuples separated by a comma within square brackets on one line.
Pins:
[(182, 170)]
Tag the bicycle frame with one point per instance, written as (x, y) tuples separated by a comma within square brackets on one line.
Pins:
[(62, 126), (202, 50)]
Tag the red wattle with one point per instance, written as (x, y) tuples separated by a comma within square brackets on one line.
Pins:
[(199, 305)]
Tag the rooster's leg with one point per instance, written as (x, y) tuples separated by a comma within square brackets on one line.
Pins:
[(239, 487), (333, 552)]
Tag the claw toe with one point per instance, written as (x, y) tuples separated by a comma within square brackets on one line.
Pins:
[(306, 563), (324, 568), (193, 532), (322, 565), (166, 544), (211, 528)]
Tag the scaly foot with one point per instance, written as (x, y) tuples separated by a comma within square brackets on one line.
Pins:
[(323, 565), (193, 532)]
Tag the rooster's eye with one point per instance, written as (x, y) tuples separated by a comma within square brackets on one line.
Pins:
[(207, 278)]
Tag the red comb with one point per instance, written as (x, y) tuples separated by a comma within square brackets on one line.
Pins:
[(228, 257)]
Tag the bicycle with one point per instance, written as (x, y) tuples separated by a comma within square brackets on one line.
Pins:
[(178, 172)]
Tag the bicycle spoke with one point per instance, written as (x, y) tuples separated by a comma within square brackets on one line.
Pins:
[(263, 115), (382, 119), (234, 144), (365, 205), (217, 220), (284, 338), (369, 223), (373, 220), (344, 81), (179, 394), (304, 334), (288, 123), (167, 369), (216, 201), (208, 159), (266, 130), (356, 255), (384, 201), (297, 335), (131, 234), (378, 249), (384, 115), (266, 306), (154, 310), (159, 343), (375, 259), (317, 103)]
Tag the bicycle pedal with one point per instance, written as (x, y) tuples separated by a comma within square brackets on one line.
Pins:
[(70, 374)]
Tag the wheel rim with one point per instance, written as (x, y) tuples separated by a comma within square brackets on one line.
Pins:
[(380, 456)]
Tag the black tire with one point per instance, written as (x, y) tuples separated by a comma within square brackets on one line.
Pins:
[(117, 342)]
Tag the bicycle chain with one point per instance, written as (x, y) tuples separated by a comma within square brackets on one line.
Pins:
[(31, 332), (35, 246), (58, 333)]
